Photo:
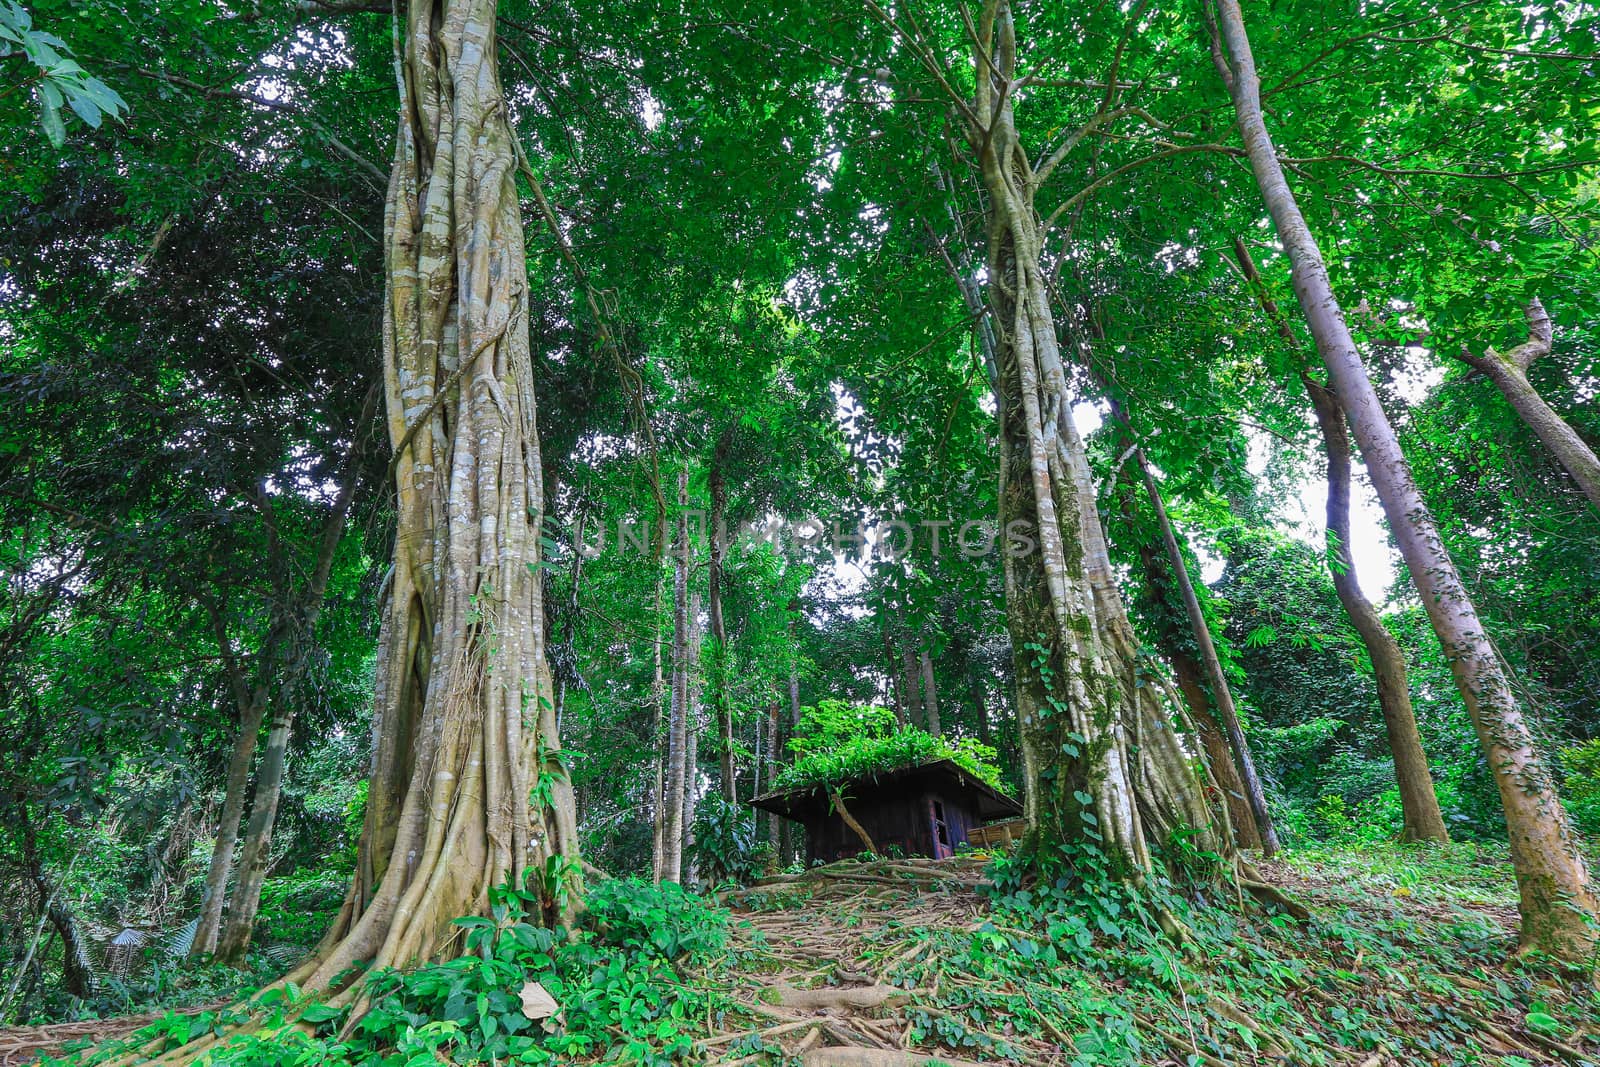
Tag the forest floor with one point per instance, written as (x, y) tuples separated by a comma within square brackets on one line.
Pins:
[(1407, 958)]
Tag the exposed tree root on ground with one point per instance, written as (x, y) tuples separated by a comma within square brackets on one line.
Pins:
[(903, 963), (23, 1044), (861, 968)]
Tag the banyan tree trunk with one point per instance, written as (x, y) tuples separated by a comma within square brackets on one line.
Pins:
[(1100, 759), (467, 788), (1560, 910)]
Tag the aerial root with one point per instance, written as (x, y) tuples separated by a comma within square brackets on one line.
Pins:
[(877, 1057), (835, 998), (1264, 891)]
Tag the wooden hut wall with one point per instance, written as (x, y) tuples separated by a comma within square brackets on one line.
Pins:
[(897, 820)]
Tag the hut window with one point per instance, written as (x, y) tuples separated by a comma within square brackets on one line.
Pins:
[(941, 831)]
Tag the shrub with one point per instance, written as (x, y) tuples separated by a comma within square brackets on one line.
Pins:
[(836, 742)]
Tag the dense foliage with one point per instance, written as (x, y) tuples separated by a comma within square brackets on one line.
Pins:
[(771, 338)]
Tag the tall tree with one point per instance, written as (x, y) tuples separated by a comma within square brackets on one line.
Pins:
[(1081, 700), (1422, 819), (1560, 912), (679, 728), (468, 788)]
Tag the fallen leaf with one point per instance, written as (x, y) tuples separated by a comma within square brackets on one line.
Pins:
[(536, 1003)]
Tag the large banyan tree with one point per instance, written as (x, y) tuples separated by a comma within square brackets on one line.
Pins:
[(1101, 758), (467, 789)]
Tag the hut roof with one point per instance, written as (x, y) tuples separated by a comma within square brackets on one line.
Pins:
[(805, 801)]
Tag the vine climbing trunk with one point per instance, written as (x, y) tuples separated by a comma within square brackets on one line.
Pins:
[(1100, 759), (1559, 909), (468, 788)]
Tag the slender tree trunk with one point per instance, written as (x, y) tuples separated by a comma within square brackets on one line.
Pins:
[(930, 693), (1560, 913), (251, 711), (1221, 693), (660, 728), (678, 724), (719, 631), (774, 740), (1098, 750), (897, 686), (692, 727), (468, 789), (77, 967), (252, 707), (254, 857), (1509, 373), (908, 684), (245, 900), (1187, 672), (1219, 754), (1423, 820), (980, 708), (794, 697)]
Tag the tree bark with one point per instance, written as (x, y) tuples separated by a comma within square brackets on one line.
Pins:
[(468, 788), (252, 709), (1221, 693), (692, 726), (897, 687), (246, 898), (1101, 763), (909, 687), (1423, 821), (980, 708), (1558, 905), (660, 726), (678, 722), (1509, 373), (930, 693), (719, 631), (774, 740)]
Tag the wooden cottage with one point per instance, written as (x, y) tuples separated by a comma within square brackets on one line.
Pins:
[(925, 810)]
